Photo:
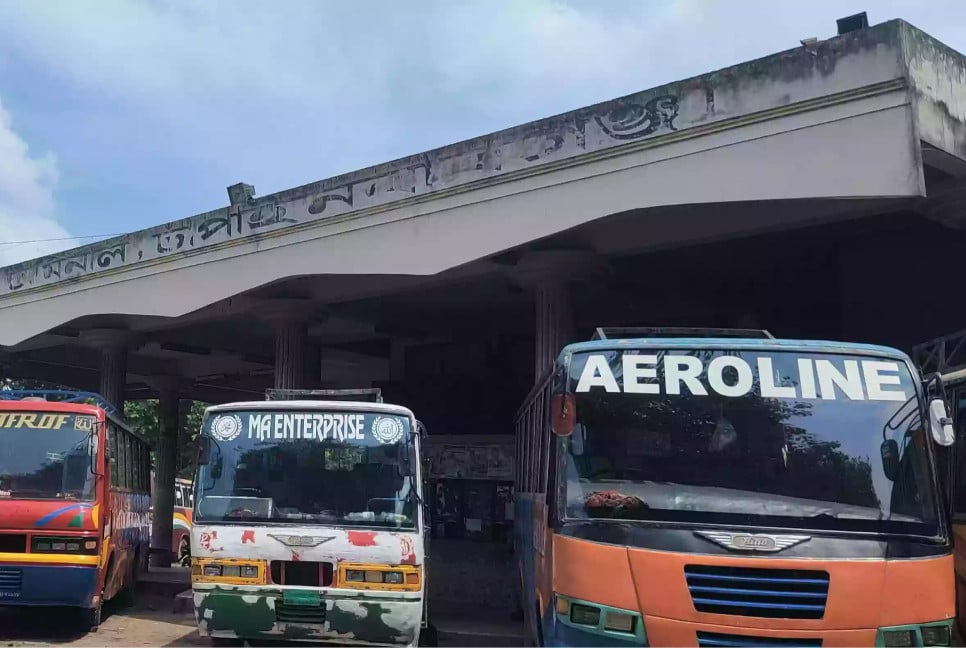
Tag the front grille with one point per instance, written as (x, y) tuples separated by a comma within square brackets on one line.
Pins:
[(13, 543), (304, 573), (772, 593), (11, 579), (714, 640), (285, 613)]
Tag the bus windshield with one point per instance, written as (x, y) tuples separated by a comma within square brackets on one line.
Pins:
[(46, 455), (770, 438), (285, 466)]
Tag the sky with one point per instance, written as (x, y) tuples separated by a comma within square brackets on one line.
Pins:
[(118, 115)]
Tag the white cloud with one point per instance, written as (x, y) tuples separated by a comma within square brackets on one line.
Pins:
[(26, 200)]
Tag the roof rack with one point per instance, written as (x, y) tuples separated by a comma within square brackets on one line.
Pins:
[(374, 395), (611, 332), (61, 396)]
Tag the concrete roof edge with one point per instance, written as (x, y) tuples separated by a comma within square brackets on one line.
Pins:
[(881, 33)]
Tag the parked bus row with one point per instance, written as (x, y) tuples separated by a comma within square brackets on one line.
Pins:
[(674, 488)]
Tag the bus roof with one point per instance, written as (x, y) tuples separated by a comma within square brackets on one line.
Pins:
[(750, 344), (275, 405)]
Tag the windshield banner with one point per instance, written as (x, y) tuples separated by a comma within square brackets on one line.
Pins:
[(828, 378), (342, 427), (45, 421)]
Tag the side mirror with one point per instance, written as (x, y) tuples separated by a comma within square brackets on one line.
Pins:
[(890, 458), (563, 414), (94, 447), (204, 450), (940, 425)]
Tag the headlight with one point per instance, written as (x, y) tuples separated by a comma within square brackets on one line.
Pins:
[(226, 571), (47, 544), (363, 576), (912, 636), (600, 619)]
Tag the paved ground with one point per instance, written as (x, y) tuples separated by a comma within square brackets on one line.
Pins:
[(151, 622)]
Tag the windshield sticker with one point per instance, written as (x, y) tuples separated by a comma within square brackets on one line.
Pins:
[(734, 377), (226, 427), (84, 423), (33, 420), (387, 430), (321, 427)]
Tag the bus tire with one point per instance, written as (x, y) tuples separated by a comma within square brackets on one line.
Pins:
[(92, 618)]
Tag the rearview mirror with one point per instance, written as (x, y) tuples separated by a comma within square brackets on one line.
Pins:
[(204, 450), (890, 458), (940, 425), (94, 447), (563, 414)]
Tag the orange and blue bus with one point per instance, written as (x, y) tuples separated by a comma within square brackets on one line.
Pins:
[(724, 488), (74, 498)]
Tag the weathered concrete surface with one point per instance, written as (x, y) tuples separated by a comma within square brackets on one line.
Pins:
[(856, 62), (937, 80), (634, 152)]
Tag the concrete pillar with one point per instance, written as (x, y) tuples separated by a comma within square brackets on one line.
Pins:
[(289, 355), (113, 385), (166, 466), (290, 318), (113, 345), (550, 275), (554, 323)]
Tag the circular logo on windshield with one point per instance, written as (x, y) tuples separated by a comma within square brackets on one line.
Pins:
[(226, 427), (387, 430)]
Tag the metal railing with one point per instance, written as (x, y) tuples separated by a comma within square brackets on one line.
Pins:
[(63, 396), (532, 427), (368, 395)]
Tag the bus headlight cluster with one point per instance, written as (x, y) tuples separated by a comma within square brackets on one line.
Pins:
[(231, 571), (45, 544), (227, 571), (362, 576), (599, 619), (912, 636)]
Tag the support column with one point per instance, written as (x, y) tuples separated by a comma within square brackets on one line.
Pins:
[(113, 345), (550, 274), (113, 385), (165, 470), (554, 323), (289, 355), (290, 319)]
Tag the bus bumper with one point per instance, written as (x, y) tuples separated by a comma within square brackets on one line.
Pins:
[(340, 616), (47, 585)]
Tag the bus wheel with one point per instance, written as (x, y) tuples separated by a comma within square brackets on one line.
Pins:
[(92, 617)]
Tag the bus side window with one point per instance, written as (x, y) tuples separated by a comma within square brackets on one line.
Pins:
[(125, 442), (112, 451), (145, 466), (178, 497)]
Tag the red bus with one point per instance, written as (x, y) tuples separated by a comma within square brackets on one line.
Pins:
[(74, 499)]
